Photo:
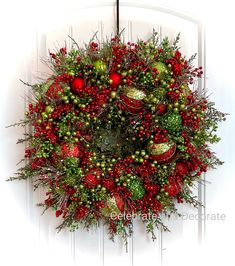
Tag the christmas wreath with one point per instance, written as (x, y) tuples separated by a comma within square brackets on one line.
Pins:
[(119, 130)]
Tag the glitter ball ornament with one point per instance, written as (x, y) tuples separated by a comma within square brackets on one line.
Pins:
[(161, 69), (162, 152), (159, 94), (132, 99), (172, 122), (100, 66), (136, 188)]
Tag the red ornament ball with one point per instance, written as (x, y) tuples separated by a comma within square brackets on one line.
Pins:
[(77, 84), (173, 187), (116, 79)]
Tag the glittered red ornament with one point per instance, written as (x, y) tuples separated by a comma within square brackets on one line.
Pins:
[(116, 79), (77, 85), (69, 151), (90, 181), (181, 169), (173, 187)]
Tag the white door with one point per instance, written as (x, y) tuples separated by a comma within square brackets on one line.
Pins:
[(29, 237)]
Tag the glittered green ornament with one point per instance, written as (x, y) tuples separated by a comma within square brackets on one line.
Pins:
[(172, 122), (161, 68), (137, 189), (100, 66), (159, 94), (111, 208)]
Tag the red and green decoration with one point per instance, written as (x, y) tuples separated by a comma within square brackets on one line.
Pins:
[(117, 130)]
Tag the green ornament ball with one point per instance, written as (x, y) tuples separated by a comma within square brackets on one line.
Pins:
[(161, 68), (136, 188), (172, 122), (100, 66), (159, 93)]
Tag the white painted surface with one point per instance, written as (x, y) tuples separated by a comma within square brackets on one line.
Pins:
[(28, 29)]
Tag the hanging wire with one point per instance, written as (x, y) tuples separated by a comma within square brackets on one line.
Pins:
[(117, 15)]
